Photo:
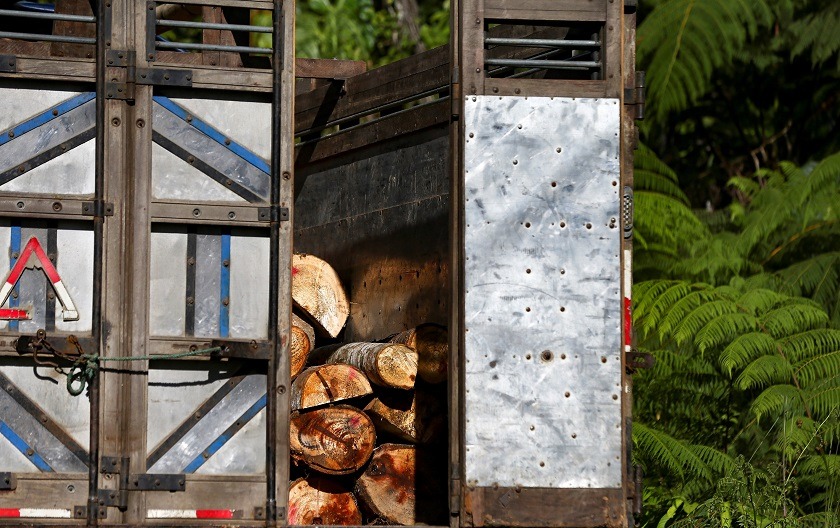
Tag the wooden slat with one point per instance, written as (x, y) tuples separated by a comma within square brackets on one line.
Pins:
[(548, 87), (567, 11), (436, 114), (545, 507), (328, 68)]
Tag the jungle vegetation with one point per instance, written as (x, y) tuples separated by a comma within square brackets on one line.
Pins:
[(737, 246)]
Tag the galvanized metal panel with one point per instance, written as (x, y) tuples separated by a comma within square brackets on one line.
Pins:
[(211, 427), (248, 286), (208, 285), (20, 104), (244, 454), (245, 122), (73, 174), (5, 259), (75, 265), (174, 179), (542, 299), (168, 285)]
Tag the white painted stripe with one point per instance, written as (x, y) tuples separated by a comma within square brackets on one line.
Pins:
[(69, 312), (45, 513), (172, 514), (5, 291), (627, 277)]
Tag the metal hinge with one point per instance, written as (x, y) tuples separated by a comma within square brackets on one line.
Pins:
[(118, 497), (279, 214), (8, 64), (636, 96), (98, 208), (143, 76)]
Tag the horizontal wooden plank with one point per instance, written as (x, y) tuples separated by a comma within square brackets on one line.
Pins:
[(544, 10), (64, 68), (545, 507), (418, 118), (328, 68), (252, 4), (373, 85), (548, 88)]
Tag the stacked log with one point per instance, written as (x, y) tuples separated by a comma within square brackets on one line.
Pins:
[(368, 422)]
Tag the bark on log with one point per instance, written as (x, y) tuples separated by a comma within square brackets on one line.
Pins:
[(417, 417), (385, 364), (399, 489), (328, 384), (334, 440), (431, 342), (318, 500), (303, 341), (317, 291)]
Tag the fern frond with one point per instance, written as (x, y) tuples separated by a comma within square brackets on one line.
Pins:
[(744, 349), (805, 345), (824, 367), (824, 402), (777, 398), (724, 329), (794, 317), (764, 371), (678, 457), (693, 322)]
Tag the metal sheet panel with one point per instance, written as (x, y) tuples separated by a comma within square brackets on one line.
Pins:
[(248, 286), (208, 285), (246, 122), (168, 272), (70, 174), (174, 179), (542, 299), (75, 265)]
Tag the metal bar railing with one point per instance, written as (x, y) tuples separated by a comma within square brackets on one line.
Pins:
[(48, 38), (544, 64), (47, 16), (542, 43), (212, 25), (209, 47)]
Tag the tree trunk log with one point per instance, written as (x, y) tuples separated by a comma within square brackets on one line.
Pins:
[(328, 384), (431, 342), (303, 341), (385, 364), (317, 291), (334, 440), (317, 500), (399, 486), (417, 417)]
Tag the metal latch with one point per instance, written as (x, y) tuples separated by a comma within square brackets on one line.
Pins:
[(144, 76), (242, 349), (7, 481), (634, 360), (636, 96)]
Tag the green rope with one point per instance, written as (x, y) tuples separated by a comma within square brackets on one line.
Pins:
[(86, 367)]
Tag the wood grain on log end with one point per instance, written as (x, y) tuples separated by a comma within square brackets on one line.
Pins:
[(386, 364), (303, 341), (328, 384), (317, 500), (334, 440), (317, 290)]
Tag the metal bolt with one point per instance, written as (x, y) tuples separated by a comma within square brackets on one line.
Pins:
[(516, 91), (30, 452), (227, 141), (615, 396), (190, 159), (546, 355), (21, 205), (190, 301), (191, 261), (55, 112), (196, 212), (287, 175), (189, 118), (115, 121), (567, 394), (11, 134), (141, 123), (281, 389), (56, 206), (225, 302), (226, 263)]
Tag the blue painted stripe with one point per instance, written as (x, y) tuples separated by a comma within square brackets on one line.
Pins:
[(225, 437), (214, 134), (14, 249), (224, 311), (21, 445), (46, 117)]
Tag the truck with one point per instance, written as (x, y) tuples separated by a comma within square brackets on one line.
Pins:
[(153, 192)]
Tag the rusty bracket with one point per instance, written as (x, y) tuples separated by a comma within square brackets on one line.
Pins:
[(158, 482), (8, 481), (124, 90), (8, 64), (635, 360), (252, 349), (636, 96)]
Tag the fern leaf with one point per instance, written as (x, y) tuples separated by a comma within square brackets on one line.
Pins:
[(794, 317), (824, 367), (724, 329), (775, 399), (746, 348), (764, 371), (805, 345), (675, 455)]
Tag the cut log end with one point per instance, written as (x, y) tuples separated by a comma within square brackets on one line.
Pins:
[(303, 341), (316, 500), (328, 384), (317, 290), (397, 366), (431, 342), (334, 440)]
